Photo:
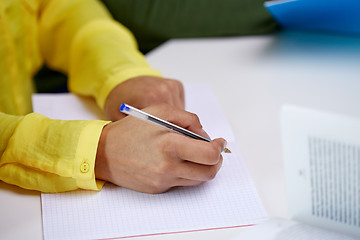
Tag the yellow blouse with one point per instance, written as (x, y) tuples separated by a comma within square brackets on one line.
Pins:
[(76, 37)]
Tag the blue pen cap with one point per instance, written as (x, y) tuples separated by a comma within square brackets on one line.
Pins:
[(124, 108)]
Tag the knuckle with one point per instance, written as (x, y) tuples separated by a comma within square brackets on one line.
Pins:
[(164, 167), (195, 117), (175, 83), (164, 86), (152, 97), (157, 185), (169, 148)]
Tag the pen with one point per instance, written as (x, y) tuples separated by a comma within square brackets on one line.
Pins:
[(127, 109)]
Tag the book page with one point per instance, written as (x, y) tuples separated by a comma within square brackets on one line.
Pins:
[(322, 162), (229, 200)]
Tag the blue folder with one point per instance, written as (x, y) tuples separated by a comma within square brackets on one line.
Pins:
[(339, 16)]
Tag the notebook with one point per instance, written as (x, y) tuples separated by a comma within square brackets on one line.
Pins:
[(230, 200), (335, 16)]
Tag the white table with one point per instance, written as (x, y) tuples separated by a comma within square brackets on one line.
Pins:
[(252, 77)]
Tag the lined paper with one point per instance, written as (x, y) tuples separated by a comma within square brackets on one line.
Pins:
[(229, 200)]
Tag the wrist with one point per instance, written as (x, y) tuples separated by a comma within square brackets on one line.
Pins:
[(101, 166)]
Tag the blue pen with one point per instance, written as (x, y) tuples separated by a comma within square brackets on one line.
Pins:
[(127, 109)]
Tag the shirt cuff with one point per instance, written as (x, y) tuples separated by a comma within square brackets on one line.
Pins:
[(84, 165)]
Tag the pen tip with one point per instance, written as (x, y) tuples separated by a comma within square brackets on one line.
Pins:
[(226, 150)]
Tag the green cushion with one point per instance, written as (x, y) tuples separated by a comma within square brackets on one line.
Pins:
[(155, 21)]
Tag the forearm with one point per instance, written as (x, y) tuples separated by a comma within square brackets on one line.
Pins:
[(104, 55), (81, 39)]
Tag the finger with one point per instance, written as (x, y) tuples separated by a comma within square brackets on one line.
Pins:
[(165, 91), (183, 119), (198, 172), (197, 151), (178, 96), (182, 95)]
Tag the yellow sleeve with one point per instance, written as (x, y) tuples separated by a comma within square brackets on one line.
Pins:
[(49, 155), (80, 38)]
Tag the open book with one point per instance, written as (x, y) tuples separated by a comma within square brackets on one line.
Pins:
[(230, 200), (322, 164)]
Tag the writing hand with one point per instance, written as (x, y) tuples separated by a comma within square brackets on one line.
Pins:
[(139, 156)]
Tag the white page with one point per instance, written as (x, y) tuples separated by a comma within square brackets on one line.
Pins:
[(322, 162), (227, 201)]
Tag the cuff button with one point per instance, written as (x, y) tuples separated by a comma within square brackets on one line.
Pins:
[(84, 167)]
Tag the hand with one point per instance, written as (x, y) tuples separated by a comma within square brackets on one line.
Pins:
[(141, 92), (143, 157)]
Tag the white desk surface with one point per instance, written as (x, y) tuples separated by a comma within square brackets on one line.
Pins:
[(252, 77)]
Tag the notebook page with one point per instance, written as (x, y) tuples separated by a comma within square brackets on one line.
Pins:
[(227, 201)]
